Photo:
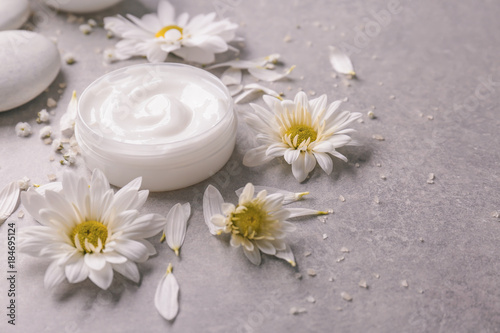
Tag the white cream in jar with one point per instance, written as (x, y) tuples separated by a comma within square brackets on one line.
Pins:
[(172, 124)]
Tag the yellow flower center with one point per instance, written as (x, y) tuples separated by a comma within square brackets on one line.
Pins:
[(163, 31), (90, 232), (303, 132), (248, 223)]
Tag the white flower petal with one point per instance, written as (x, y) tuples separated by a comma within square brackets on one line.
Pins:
[(166, 13), (253, 256), (256, 156), (129, 270), (288, 197), (175, 229), (8, 200), (95, 261), (67, 122), (266, 246), (231, 76), (268, 74), (77, 271), (287, 255), (54, 275), (324, 161), (251, 92), (340, 61), (247, 193), (291, 155), (299, 168), (235, 89), (166, 296), (212, 205), (102, 278), (131, 249), (299, 212)]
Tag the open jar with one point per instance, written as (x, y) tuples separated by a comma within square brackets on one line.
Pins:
[(171, 124)]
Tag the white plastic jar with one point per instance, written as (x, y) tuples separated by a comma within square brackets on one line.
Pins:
[(171, 124)]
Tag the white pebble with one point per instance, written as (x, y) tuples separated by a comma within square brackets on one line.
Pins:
[(325, 236), (344, 249), (341, 198), (20, 214), (340, 259), (51, 103), (430, 117), (377, 276), (404, 283), (431, 176), (363, 284), (346, 296), (311, 272), (310, 299), (383, 177), (376, 200), (378, 137)]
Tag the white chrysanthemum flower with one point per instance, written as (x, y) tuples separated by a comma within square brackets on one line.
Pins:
[(303, 132), (88, 231), (157, 35), (256, 223)]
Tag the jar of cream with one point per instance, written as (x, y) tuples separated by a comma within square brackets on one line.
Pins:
[(171, 124)]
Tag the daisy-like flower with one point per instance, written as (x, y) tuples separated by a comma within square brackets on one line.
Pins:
[(303, 132), (88, 230), (256, 223), (157, 35)]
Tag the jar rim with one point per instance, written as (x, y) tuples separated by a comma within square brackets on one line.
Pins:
[(211, 77)]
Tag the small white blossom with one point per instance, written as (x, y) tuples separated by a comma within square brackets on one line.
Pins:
[(45, 132), (23, 129), (69, 58), (43, 116)]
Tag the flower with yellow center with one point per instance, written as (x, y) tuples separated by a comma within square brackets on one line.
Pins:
[(303, 132), (156, 35), (258, 224), (88, 230)]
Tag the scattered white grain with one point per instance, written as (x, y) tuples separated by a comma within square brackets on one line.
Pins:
[(341, 198), (331, 279), (52, 177), (495, 214), (335, 85), (363, 284), (392, 97), (310, 299), (344, 249), (421, 240), (378, 137), (340, 259), (430, 181), (404, 283), (430, 117), (377, 276), (383, 177), (334, 75), (287, 39), (311, 272), (381, 83), (312, 92), (325, 236), (339, 308), (309, 43), (307, 253), (431, 176), (420, 291), (371, 115), (376, 200), (346, 99), (356, 165), (298, 276), (20, 214), (346, 296), (51, 103)]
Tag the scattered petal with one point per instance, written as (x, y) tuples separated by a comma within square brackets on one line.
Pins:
[(167, 295), (8, 200), (175, 229), (341, 62)]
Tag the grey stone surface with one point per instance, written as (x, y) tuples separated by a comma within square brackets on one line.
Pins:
[(433, 57)]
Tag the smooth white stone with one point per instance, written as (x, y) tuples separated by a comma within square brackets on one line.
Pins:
[(81, 6), (29, 64), (13, 13)]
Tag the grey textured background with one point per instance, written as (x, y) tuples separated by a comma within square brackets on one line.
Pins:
[(432, 57)]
